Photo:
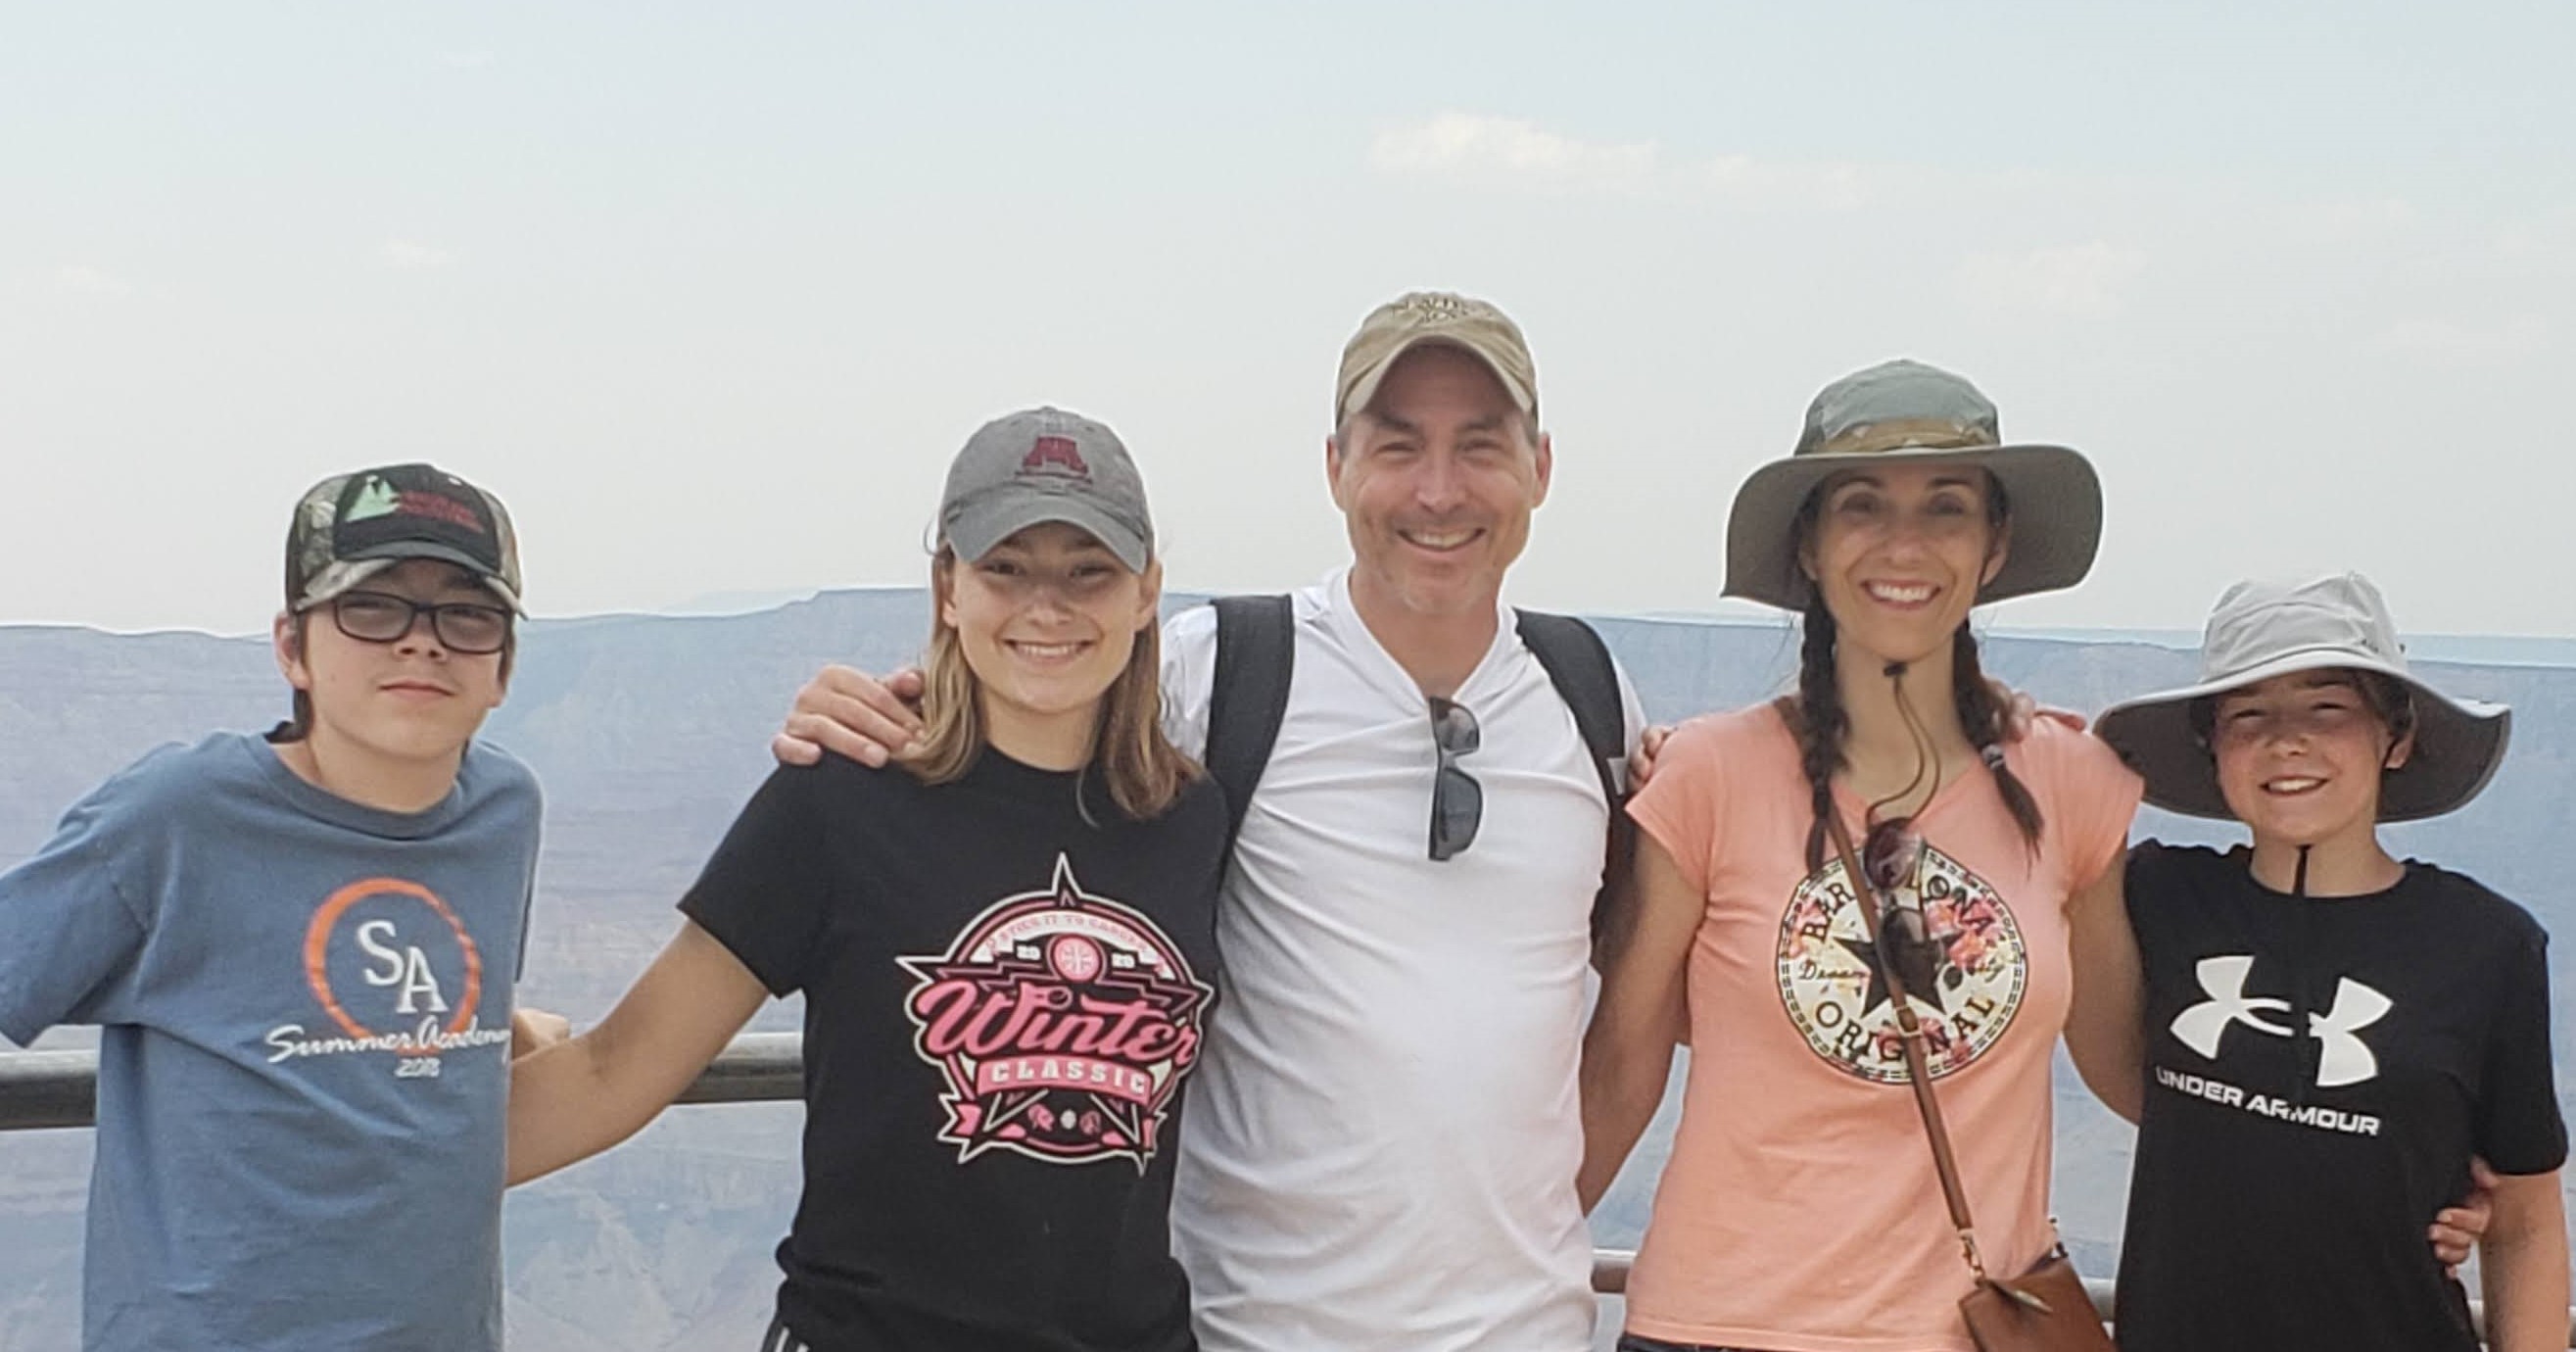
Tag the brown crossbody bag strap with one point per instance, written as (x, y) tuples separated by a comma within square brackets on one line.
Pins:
[(1910, 1032), (2003, 1314)]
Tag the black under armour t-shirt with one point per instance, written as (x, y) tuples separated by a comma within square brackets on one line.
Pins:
[(2319, 1071), (1005, 982)]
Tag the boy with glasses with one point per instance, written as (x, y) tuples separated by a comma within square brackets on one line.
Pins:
[(300, 952)]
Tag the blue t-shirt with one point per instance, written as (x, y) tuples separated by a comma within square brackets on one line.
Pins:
[(304, 1058)]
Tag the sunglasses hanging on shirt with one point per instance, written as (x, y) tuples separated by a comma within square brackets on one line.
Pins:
[(1457, 800)]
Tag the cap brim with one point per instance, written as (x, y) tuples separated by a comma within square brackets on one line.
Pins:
[(1364, 389), (359, 565), (2055, 497), (978, 529), (2459, 744)]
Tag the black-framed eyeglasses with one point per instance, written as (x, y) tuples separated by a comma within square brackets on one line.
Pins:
[(1457, 800), (461, 626)]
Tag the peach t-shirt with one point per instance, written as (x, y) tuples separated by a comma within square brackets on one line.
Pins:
[(1800, 1211)]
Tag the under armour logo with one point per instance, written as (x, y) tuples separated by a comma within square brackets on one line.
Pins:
[(2345, 1059)]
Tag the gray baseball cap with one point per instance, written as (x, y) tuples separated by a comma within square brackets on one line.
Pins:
[(1906, 411), (1040, 465), (2265, 629)]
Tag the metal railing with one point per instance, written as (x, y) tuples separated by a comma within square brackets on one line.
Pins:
[(60, 1089)]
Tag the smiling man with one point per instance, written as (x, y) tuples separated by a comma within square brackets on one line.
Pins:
[(1385, 1131)]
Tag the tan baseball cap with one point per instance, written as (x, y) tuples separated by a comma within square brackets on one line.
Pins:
[(1419, 317)]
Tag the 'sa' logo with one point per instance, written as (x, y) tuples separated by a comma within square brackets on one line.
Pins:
[(403, 972), (1055, 454), (1062, 1022), (2343, 1058), (397, 973)]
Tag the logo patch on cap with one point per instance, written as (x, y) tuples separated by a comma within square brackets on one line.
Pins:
[(1055, 455), (376, 498)]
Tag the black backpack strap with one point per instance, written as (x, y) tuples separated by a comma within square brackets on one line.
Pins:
[(1256, 651), (1578, 664)]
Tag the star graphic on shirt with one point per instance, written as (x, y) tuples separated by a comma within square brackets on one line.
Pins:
[(1919, 964)]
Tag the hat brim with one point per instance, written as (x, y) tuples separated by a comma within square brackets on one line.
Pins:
[(360, 565), (2459, 744), (983, 525), (1364, 390), (2055, 497)]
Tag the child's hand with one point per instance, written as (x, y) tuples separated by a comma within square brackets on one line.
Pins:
[(2457, 1229), (534, 1030)]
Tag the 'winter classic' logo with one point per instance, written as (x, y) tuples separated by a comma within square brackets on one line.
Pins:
[(396, 973), (1965, 979), (1063, 1023)]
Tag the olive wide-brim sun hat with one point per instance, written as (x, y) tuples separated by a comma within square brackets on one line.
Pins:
[(2265, 629), (1907, 412)]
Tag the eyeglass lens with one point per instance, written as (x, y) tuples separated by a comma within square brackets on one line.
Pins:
[(1457, 800), (375, 617)]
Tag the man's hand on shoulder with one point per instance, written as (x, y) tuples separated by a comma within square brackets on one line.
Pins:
[(847, 712), (2022, 712), (1650, 745)]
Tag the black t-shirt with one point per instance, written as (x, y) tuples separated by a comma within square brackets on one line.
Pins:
[(2284, 1181), (1002, 996)]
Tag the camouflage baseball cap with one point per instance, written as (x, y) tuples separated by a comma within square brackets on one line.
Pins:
[(351, 527)]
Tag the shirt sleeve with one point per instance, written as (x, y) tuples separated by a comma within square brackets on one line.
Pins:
[(70, 927), (1632, 719), (2519, 1129), (2097, 797), (1189, 678), (1679, 805), (765, 894)]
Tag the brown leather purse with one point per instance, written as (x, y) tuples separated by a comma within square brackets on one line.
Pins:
[(2042, 1310)]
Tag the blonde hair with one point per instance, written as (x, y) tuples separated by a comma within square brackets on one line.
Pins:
[(1144, 770)]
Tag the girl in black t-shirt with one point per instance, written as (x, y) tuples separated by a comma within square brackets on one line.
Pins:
[(2330, 1035), (1005, 942)]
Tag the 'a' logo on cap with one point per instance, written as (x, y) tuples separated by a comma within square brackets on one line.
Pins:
[(1057, 454)]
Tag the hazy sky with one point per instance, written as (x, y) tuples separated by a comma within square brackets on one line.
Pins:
[(709, 294)]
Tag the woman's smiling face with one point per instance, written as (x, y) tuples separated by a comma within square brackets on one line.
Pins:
[(1900, 551)]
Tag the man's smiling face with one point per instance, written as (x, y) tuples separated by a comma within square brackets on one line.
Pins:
[(1436, 479)]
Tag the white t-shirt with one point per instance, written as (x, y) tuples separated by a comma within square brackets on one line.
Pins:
[(1384, 1130)]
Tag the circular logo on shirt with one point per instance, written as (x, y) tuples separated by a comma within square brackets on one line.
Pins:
[(414, 958), (1062, 1023), (1965, 976)]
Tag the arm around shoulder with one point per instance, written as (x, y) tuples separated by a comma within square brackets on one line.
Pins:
[(576, 1098), (2525, 1265), (1641, 1013), (2106, 1021)]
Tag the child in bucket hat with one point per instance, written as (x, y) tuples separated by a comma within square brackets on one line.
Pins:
[(2330, 1035), (1901, 508), (300, 952)]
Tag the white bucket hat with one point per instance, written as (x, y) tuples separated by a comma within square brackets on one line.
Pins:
[(2265, 629), (1905, 411)]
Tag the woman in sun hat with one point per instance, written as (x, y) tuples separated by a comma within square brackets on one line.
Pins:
[(2330, 1034), (1801, 1208)]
